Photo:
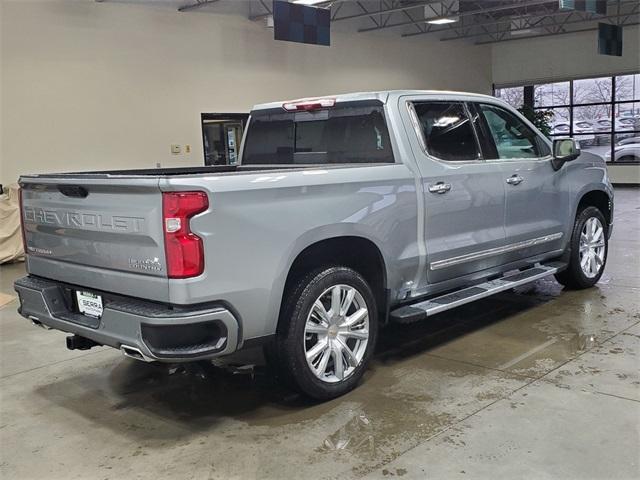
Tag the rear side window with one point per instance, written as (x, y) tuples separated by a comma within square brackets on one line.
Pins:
[(347, 133), (447, 130)]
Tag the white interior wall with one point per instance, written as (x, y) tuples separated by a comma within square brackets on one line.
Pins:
[(567, 56), (89, 85)]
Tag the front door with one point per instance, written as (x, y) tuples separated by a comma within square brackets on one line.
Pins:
[(464, 196), (536, 204)]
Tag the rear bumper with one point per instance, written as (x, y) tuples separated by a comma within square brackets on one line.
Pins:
[(159, 332)]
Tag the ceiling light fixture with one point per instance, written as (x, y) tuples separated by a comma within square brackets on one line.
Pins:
[(308, 2), (442, 20), (525, 31)]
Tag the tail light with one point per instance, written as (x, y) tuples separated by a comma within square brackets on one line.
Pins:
[(24, 235), (184, 249)]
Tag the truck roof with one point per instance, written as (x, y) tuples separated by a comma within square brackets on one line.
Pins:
[(382, 95)]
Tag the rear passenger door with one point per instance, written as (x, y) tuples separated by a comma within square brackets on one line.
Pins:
[(464, 198), (536, 205)]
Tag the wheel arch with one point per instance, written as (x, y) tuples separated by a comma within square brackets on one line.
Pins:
[(598, 198), (358, 252)]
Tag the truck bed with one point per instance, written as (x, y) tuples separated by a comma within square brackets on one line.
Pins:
[(104, 229)]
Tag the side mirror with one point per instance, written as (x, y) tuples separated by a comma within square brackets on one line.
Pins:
[(564, 150)]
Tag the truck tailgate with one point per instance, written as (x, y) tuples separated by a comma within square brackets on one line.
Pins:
[(102, 233)]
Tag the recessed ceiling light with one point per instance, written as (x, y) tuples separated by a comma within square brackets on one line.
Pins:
[(442, 21), (308, 2), (525, 31)]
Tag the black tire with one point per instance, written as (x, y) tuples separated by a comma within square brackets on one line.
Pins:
[(574, 277), (287, 353)]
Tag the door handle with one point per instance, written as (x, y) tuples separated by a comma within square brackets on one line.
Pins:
[(440, 188), (515, 179)]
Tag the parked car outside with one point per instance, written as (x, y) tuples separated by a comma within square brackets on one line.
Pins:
[(630, 114), (625, 153), (581, 128), (627, 124), (628, 140), (602, 125)]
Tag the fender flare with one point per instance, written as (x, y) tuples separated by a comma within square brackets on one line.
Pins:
[(307, 239)]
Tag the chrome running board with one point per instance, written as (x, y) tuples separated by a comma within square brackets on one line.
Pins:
[(425, 308)]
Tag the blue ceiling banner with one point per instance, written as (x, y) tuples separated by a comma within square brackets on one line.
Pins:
[(294, 22)]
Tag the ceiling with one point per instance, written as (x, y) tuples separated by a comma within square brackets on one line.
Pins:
[(475, 21)]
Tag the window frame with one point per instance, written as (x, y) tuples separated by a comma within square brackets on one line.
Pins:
[(613, 104), (415, 122), (493, 147)]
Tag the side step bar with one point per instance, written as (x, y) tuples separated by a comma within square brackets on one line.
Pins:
[(425, 308)]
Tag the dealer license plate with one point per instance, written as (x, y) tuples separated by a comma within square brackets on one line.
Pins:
[(89, 304)]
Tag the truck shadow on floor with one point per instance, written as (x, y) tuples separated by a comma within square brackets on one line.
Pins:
[(155, 403)]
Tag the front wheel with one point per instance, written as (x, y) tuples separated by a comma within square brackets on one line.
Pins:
[(327, 332), (589, 248)]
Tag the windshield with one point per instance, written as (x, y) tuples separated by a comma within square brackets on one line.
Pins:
[(350, 132)]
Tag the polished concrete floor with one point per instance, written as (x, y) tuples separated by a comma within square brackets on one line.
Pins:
[(537, 383)]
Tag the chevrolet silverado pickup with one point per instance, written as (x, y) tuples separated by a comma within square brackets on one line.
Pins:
[(344, 213)]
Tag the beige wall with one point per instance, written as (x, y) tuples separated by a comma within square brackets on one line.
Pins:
[(90, 85), (563, 56)]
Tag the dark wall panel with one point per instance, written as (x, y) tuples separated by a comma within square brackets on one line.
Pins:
[(610, 39), (293, 22)]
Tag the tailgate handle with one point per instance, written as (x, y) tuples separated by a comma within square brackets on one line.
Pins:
[(73, 191)]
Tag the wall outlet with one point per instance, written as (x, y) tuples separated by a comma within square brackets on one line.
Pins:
[(187, 149), (175, 149)]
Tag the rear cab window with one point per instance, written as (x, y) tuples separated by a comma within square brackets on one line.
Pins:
[(348, 132)]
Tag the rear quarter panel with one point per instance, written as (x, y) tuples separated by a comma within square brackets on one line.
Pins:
[(258, 223)]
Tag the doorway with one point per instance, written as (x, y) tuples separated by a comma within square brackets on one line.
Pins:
[(221, 137)]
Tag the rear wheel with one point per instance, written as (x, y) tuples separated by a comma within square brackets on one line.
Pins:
[(327, 332), (589, 248)]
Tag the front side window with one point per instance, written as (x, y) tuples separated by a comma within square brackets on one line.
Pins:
[(447, 130), (352, 133), (512, 137)]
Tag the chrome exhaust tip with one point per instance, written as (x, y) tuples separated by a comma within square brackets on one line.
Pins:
[(135, 353), (37, 323)]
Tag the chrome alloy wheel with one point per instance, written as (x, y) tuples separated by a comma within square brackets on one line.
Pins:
[(592, 247), (336, 333)]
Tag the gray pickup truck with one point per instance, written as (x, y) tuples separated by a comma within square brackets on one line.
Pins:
[(344, 213)]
